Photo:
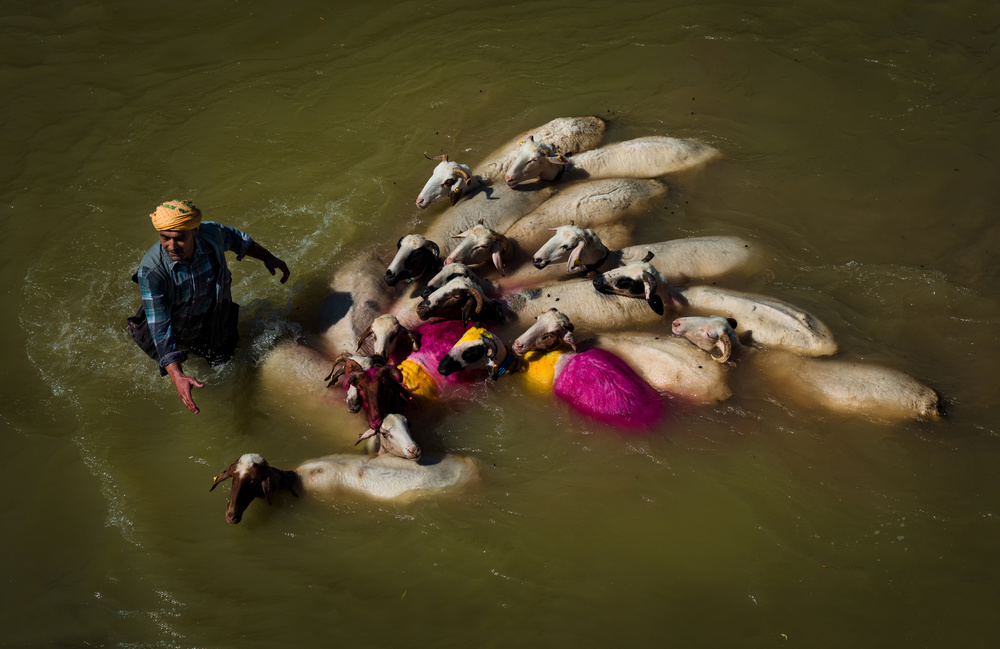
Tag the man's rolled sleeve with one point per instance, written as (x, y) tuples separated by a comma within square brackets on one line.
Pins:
[(158, 318)]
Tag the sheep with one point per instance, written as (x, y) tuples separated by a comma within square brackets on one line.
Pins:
[(606, 205), (387, 333), (383, 477), (420, 369), (382, 392), (869, 390), (678, 261), (392, 437), (766, 320), (480, 244), (359, 295), (498, 205), (462, 298), (416, 257), (879, 393), (449, 179), (670, 366), (645, 157), (347, 364), (709, 333), (595, 382)]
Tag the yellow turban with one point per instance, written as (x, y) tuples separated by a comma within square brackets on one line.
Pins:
[(176, 215)]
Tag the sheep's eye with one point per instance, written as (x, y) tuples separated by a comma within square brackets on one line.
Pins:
[(449, 182), (473, 354)]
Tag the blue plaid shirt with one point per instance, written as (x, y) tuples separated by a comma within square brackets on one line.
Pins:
[(177, 305)]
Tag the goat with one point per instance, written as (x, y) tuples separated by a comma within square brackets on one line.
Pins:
[(646, 157), (678, 261), (384, 477), (670, 366), (448, 180), (595, 382)]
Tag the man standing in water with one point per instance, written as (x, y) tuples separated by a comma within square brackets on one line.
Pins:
[(184, 282)]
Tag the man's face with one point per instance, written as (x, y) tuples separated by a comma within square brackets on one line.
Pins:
[(179, 244)]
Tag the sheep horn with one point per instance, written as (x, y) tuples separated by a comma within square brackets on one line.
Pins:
[(649, 256), (569, 339), (725, 347), (443, 157), (463, 174), (434, 248)]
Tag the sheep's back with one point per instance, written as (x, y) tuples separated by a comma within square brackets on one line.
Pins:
[(598, 384)]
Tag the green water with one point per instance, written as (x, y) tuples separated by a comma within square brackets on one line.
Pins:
[(860, 146)]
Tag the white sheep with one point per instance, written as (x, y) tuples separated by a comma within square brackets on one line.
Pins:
[(498, 205), (449, 180), (645, 157), (358, 296), (384, 477), (880, 393), (709, 333), (764, 320), (387, 333), (514, 312), (678, 261)]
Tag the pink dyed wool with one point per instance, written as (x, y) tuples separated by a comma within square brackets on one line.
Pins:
[(598, 384), (436, 340)]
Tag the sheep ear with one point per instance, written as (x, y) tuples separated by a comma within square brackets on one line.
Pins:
[(573, 263), (467, 308), (368, 434), (557, 160), (497, 261), (265, 486), (456, 194), (569, 339), (361, 338), (656, 304), (648, 257), (732, 323)]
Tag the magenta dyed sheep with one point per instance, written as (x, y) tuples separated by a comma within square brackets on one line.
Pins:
[(595, 382)]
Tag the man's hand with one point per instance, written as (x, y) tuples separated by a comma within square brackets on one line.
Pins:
[(184, 383), (271, 262)]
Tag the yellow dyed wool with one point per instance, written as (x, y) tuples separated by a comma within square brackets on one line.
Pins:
[(474, 333), (541, 370), (418, 381)]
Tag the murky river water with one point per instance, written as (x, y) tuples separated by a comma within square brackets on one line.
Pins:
[(861, 148)]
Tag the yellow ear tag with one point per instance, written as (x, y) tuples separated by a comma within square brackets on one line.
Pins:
[(520, 143)]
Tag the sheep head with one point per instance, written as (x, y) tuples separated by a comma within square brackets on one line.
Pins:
[(393, 438), (533, 160), (638, 279), (252, 478), (449, 180), (550, 328), (415, 257), (709, 333), (480, 245), (460, 295)]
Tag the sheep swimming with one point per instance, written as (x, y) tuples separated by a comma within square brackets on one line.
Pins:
[(709, 333), (449, 180), (416, 256), (595, 382), (646, 157), (765, 320), (678, 261), (672, 367), (384, 477), (498, 205), (387, 333)]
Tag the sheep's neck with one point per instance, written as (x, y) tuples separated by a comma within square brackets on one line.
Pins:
[(504, 363)]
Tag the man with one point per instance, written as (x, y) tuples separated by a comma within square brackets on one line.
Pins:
[(184, 282)]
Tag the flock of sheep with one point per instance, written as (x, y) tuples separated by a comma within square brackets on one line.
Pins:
[(483, 294)]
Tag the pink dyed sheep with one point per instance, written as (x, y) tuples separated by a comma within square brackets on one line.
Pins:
[(594, 382)]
